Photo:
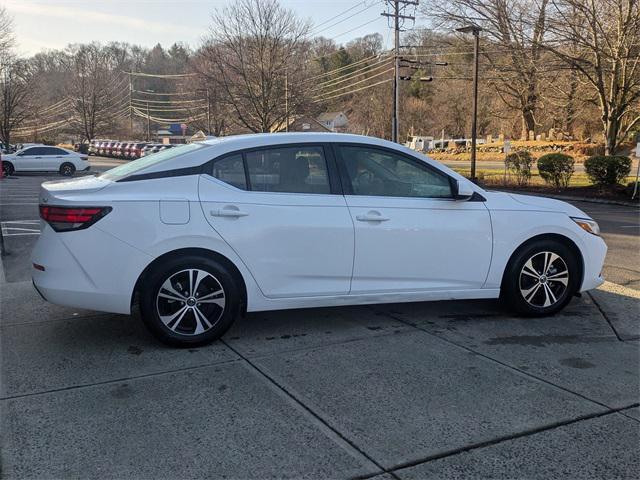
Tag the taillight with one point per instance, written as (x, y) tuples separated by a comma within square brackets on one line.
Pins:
[(66, 219)]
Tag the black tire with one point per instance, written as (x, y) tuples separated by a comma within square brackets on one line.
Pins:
[(7, 168), (547, 294), (182, 333), (67, 169)]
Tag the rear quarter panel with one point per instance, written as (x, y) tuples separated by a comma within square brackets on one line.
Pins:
[(138, 223)]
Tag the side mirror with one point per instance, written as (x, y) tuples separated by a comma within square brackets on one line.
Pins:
[(462, 190)]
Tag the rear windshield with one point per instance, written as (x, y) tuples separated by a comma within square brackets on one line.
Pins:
[(136, 166)]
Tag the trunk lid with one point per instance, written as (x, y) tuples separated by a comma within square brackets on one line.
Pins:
[(69, 189)]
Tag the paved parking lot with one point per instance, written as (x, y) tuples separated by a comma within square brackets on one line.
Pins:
[(421, 390)]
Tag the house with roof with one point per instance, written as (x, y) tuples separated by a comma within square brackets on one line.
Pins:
[(334, 121), (302, 123)]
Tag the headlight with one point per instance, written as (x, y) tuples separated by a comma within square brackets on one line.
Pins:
[(587, 225)]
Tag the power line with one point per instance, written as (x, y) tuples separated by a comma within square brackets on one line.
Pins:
[(348, 76), (154, 75), (356, 28), (356, 83), (316, 32), (354, 91), (339, 69), (164, 94), (169, 101), (336, 16)]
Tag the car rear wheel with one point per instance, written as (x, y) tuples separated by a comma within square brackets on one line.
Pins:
[(541, 278), (7, 169), (189, 301), (67, 169)]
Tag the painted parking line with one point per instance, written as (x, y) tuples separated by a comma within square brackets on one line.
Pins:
[(14, 228)]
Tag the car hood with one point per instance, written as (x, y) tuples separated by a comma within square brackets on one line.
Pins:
[(512, 201)]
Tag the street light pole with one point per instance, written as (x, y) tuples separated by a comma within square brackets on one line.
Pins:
[(475, 30)]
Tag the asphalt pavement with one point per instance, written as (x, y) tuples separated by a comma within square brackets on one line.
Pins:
[(401, 391)]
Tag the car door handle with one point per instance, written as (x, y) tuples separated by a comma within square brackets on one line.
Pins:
[(228, 212), (371, 217), (38, 157)]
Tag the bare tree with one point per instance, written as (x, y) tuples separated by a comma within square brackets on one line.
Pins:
[(256, 52), (14, 82), (516, 28), (605, 35), (7, 38), (213, 116), (15, 93), (95, 87)]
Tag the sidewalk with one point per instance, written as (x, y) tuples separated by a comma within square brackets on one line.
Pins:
[(437, 390)]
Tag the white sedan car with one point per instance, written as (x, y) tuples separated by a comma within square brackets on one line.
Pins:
[(203, 232), (43, 158)]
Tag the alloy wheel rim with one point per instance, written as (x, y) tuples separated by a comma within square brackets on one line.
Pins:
[(544, 279), (190, 302)]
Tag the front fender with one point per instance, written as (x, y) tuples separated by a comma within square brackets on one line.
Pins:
[(511, 229)]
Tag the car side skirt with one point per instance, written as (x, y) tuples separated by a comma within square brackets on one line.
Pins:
[(265, 304)]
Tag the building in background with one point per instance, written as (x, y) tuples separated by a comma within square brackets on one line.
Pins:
[(303, 123), (334, 121)]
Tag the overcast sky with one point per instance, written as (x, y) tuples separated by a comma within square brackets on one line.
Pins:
[(42, 24)]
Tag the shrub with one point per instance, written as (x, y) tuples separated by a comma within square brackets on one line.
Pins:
[(607, 170), (556, 169), (520, 164)]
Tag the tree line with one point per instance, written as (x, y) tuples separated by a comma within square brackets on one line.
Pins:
[(568, 65)]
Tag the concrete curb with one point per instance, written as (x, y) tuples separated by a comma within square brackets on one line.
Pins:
[(576, 199)]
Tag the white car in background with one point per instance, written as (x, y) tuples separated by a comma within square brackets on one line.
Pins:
[(202, 232), (44, 158)]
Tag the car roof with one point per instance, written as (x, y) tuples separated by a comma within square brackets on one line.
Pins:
[(215, 147), (266, 139)]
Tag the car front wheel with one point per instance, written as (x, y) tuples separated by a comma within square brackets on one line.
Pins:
[(189, 301), (7, 169), (541, 278), (67, 169)]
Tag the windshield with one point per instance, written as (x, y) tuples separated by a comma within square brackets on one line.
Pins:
[(135, 166)]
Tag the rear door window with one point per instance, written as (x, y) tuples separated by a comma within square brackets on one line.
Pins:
[(231, 170), (297, 169), (34, 151)]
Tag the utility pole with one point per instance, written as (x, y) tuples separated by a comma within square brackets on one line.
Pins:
[(475, 30), (130, 107), (286, 99), (396, 73), (208, 113), (398, 7), (148, 123)]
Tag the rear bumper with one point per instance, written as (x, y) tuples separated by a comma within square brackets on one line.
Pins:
[(87, 269)]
